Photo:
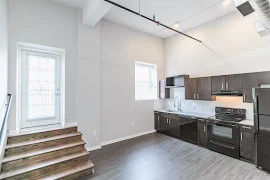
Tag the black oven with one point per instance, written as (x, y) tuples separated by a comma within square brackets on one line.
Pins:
[(223, 138), (225, 132)]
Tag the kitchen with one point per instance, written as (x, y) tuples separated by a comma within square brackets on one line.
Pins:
[(221, 128)]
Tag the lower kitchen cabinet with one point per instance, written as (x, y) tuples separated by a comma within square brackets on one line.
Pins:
[(157, 121), (247, 144), (201, 132)]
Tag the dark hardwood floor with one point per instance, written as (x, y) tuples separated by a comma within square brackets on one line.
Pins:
[(159, 157)]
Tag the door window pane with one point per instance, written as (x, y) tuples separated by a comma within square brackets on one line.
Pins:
[(41, 87)]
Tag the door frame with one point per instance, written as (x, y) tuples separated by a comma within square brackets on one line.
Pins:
[(21, 46)]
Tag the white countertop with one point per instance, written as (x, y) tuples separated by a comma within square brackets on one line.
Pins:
[(247, 122), (199, 115)]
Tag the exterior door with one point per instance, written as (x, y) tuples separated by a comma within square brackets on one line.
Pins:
[(40, 89)]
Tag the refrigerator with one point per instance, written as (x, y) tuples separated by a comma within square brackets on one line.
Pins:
[(261, 102)]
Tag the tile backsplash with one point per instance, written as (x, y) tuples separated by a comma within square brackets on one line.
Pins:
[(207, 107)]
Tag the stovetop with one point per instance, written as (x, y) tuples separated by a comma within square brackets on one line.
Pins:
[(229, 115)]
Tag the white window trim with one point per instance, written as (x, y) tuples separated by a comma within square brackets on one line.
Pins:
[(156, 96), (44, 49)]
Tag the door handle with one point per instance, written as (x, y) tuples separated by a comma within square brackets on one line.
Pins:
[(241, 136)]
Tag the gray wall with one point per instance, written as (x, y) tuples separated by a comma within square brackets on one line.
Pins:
[(3, 60), (120, 48), (45, 23)]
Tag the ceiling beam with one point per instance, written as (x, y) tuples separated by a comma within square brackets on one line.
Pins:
[(94, 11)]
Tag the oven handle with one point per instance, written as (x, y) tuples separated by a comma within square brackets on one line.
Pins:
[(221, 144), (221, 124)]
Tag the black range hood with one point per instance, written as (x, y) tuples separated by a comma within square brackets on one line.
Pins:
[(227, 93)]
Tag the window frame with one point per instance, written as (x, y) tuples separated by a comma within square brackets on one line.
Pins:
[(153, 82), (21, 47)]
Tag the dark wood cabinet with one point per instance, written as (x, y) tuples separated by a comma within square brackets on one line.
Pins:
[(247, 144), (218, 83), (250, 80), (190, 89), (264, 77), (198, 89), (234, 82), (167, 123), (188, 129), (164, 93), (157, 121), (201, 132)]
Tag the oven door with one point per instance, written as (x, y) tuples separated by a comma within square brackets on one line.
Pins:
[(224, 132)]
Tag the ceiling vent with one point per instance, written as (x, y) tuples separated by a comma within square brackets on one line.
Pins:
[(261, 8)]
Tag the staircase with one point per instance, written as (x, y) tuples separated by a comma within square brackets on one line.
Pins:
[(57, 154)]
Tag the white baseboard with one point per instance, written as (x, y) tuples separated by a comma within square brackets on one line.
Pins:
[(127, 137), (93, 148)]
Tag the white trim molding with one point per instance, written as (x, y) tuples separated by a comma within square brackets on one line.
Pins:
[(93, 148), (21, 46), (126, 138)]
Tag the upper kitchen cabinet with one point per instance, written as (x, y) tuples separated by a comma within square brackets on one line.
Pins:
[(176, 81), (199, 89), (234, 82), (250, 81), (227, 83), (218, 83), (190, 89), (164, 93), (264, 77)]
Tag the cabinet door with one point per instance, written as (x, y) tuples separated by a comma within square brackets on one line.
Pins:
[(250, 81), (190, 89), (199, 89), (201, 133), (218, 83), (207, 89), (247, 146), (264, 77), (174, 127), (164, 126), (234, 82), (157, 121)]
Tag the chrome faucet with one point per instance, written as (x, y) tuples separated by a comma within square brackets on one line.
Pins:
[(179, 104)]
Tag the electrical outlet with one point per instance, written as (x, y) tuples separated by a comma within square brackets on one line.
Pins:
[(133, 124), (95, 133)]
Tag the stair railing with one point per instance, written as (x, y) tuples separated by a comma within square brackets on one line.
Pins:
[(8, 105)]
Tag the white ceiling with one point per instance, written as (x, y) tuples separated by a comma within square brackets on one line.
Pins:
[(190, 13)]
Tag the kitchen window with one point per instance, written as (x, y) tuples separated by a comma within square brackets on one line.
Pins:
[(145, 81)]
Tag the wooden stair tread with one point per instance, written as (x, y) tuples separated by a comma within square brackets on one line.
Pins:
[(42, 164), (15, 145), (66, 172), (39, 131), (39, 152)]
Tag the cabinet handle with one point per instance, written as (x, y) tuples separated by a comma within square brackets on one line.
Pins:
[(244, 98), (170, 121), (198, 96), (194, 96), (201, 120), (227, 85), (167, 121), (158, 118), (204, 129), (222, 86), (245, 127), (241, 136)]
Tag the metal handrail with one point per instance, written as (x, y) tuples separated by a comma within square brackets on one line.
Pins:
[(6, 114)]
